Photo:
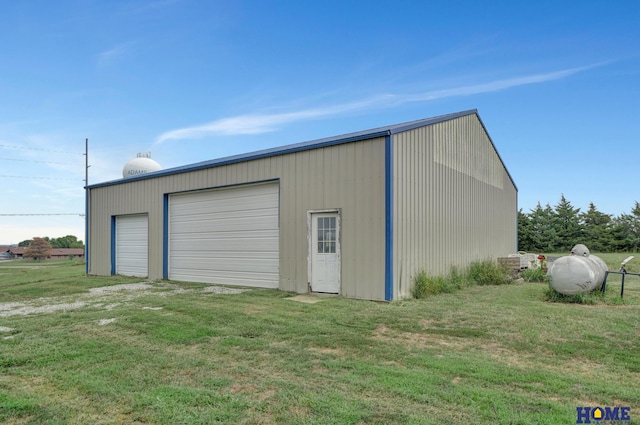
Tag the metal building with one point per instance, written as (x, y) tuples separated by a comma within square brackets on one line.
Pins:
[(356, 215)]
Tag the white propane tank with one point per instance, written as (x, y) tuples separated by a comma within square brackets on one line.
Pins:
[(578, 273), (580, 249)]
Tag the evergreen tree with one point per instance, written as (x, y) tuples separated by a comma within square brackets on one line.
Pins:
[(525, 243), (626, 230), (568, 225), (598, 232), (544, 236), (557, 230)]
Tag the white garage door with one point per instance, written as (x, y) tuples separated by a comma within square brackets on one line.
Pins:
[(226, 236), (132, 245)]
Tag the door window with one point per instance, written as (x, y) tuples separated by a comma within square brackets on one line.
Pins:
[(326, 235)]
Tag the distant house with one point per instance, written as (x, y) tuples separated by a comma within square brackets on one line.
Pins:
[(4, 252), (17, 253), (66, 253)]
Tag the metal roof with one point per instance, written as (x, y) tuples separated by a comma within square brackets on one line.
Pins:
[(297, 147)]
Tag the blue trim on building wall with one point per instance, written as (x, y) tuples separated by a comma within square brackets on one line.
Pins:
[(86, 230), (388, 207), (165, 237), (517, 225), (113, 245)]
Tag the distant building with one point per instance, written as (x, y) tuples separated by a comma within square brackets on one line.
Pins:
[(4, 252), (66, 253), (358, 214), (17, 253)]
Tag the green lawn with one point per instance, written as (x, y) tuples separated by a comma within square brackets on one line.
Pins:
[(179, 354)]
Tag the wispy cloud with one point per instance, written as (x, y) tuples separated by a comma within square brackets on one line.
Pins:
[(109, 56), (261, 123), (493, 86), (264, 123)]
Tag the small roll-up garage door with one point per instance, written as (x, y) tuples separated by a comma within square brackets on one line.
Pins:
[(132, 245), (226, 236)]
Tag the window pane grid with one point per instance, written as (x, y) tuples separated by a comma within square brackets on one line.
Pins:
[(327, 235)]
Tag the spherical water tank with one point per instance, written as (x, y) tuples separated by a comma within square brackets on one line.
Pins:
[(140, 165), (576, 274)]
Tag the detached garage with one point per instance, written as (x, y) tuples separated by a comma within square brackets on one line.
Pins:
[(356, 215)]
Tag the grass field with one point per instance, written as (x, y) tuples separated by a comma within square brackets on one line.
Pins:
[(75, 352)]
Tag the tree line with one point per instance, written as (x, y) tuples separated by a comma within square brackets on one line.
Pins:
[(559, 228), (68, 241)]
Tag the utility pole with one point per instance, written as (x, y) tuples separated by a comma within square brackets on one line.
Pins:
[(86, 206)]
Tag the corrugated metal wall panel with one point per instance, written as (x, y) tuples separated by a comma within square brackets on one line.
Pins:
[(348, 177), (454, 202)]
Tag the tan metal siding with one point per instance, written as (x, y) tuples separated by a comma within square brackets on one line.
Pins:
[(348, 177), (454, 202)]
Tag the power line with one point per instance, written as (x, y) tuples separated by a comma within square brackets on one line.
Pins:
[(25, 215), (39, 178), (38, 149), (33, 160)]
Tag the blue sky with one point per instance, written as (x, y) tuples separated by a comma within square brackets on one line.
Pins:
[(557, 85)]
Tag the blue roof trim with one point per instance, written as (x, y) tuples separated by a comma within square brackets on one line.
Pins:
[(298, 147), (399, 128)]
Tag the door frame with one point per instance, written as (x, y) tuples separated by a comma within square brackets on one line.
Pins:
[(114, 241), (310, 214), (272, 187)]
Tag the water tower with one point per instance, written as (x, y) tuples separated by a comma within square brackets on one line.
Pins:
[(142, 164)]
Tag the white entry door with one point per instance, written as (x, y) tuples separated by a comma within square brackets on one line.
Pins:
[(325, 252)]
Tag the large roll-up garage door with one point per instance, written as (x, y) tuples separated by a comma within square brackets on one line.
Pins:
[(132, 245), (226, 236)]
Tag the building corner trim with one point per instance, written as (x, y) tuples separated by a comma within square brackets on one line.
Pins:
[(113, 245), (165, 237), (388, 196)]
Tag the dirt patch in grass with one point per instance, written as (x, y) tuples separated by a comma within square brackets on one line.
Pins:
[(106, 297), (418, 340), (444, 343), (103, 322), (307, 299), (489, 348), (325, 350)]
